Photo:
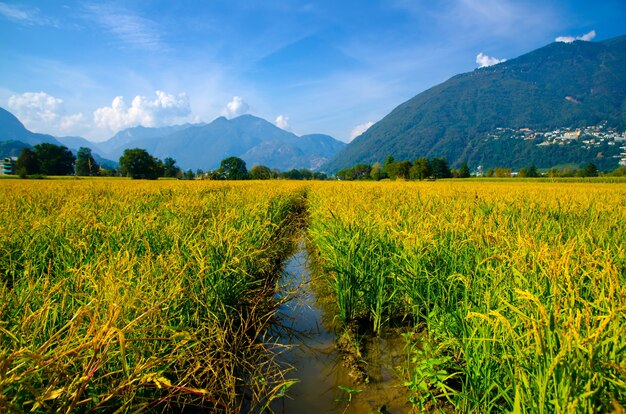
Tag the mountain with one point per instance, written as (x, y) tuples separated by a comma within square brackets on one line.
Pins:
[(307, 151), (560, 86), (77, 142), (193, 146), (115, 146), (203, 146), (11, 129)]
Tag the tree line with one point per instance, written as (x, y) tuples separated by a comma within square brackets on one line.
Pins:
[(434, 168), (420, 169), (49, 159)]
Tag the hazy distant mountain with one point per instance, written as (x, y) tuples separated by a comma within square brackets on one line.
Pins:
[(77, 142), (560, 85), (127, 138), (203, 146), (193, 146)]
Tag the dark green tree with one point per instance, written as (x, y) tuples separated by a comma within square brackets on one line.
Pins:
[(234, 168), (420, 169), (590, 170), (398, 170), (27, 163), (440, 168), (362, 171), (54, 159), (137, 163), (170, 169), (85, 163)]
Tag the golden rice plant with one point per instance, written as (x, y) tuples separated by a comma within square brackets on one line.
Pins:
[(136, 296)]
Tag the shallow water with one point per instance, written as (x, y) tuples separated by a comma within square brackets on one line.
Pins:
[(318, 364)]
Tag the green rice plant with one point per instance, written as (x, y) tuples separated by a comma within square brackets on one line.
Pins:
[(519, 286)]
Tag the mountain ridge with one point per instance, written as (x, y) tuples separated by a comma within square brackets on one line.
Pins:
[(559, 85), (193, 146)]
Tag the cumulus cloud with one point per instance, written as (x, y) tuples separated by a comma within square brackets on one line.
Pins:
[(42, 112), (569, 39), (33, 107), (283, 122), (483, 60), (360, 129), (236, 107), (166, 108)]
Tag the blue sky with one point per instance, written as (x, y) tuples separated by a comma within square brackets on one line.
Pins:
[(93, 68)]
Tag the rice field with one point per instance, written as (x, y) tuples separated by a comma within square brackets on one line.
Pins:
[(515, 292), (130, 296)]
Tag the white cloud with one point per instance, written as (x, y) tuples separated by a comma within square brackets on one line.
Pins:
[(35, 107), (569, 39), (69, 122), (483, 60), (166, 108), (360, 129), (236, 107), (283, 122), (41, 112)]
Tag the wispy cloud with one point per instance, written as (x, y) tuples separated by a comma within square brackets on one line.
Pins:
[(30, 16), (569, 39), (483, 60), (131, 29)]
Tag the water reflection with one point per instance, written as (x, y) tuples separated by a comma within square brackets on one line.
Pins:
[(317, 363)]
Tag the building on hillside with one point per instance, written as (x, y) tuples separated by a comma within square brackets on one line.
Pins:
[(572, 135), (7, 166)]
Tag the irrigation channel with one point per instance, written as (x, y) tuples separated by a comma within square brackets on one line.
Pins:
[(325, 383)]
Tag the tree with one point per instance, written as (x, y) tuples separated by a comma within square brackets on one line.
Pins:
[(27, 163), (54, 159), (85, 163), (170, 169), (398, 169), (260, 172), (234, 168), (376, 173), (420, 169), (361, 172), (464, 171), (528, 172), (440, 168), (137, 163), (590, 170), (502, 172)]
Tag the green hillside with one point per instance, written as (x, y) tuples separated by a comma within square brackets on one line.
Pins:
[(562, 85)]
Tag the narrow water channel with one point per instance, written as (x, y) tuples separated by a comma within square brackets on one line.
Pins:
[(318, 364)]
